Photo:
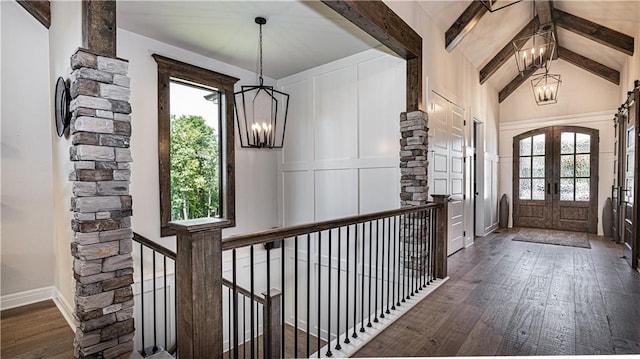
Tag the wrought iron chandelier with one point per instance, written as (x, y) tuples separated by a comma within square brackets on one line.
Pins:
[(261, 111), (492, 7), (536, 51), (545, 88)]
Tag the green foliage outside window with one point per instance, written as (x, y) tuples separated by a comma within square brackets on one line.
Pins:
[(195, 191)]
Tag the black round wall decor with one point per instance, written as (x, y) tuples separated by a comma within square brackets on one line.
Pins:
[(62, 100)]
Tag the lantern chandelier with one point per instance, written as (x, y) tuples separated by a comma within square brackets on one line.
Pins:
[(492, 7), (261, 111), (536, 51), (545, 88)]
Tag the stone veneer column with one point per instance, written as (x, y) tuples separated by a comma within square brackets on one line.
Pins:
[(413, 184), (101, 247)]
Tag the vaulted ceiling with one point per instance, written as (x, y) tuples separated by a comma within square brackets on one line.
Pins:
[(593, 35)]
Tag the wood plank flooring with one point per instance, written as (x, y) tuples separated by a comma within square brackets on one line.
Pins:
[(517, 298), (35, 331)]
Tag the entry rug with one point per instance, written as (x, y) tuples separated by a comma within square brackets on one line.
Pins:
[(549, 236)]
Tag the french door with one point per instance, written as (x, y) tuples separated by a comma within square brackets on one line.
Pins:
[(555, 178)]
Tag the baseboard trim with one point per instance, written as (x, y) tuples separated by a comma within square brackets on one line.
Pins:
[(27, 297), (66, 310)]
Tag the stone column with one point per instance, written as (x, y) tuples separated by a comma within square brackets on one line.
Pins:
[(101, 246), (413, 187)]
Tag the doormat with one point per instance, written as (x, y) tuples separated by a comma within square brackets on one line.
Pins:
[(550, 236)]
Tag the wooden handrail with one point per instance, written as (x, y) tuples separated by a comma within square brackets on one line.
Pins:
[(171, 254), (155, 246), (247, 293), (248, 239)]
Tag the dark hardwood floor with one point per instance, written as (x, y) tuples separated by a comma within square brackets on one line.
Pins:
[(517, 298), (35, 331)]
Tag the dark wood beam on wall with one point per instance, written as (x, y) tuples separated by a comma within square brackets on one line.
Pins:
[(589, 65), (598, 33), (507, 51), (515, 83), (379, 21), (99, 27), (464, 24), (40, 9)]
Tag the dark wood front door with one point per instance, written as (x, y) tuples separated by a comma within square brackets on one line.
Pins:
[(555, 178), (628, 179)]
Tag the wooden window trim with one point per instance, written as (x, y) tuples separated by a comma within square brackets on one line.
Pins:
[(168, 68)]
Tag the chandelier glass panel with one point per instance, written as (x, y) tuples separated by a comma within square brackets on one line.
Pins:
[(261, 111)]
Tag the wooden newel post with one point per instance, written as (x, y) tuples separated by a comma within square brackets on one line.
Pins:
[(442, 235), (272, 324), (199, 281)]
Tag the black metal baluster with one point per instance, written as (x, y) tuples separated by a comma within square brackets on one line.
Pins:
[(338, 346), (235, 306), (403, 242), (164, 266), (364, 244), (252, 290), (230, 316), (319, 337), (414, 256), (389, 267), (258, 320), (434, 220), (420, 249), (155, 328), (282, 305), (308, 292), (346, 296), (384, 222), (328, 297), (267, 343), (395, 281), (295, 299), (375, 306), (355, 282), (244, 326), (370, 276), (144, 352)]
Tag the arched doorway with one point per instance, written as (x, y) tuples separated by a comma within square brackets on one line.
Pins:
[(555, 178)]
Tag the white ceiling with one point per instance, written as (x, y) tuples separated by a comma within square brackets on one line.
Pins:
[(298, 35), (304, 34)]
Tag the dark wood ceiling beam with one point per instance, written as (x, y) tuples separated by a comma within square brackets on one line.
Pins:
[(379, 21), (589, 65), (507, 51), (464, 24), (543, 9), (40, 9), (99, 27), (515, 83), (598, 33)]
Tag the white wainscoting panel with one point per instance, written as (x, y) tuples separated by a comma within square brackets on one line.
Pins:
[(336, 194), (378, 189)]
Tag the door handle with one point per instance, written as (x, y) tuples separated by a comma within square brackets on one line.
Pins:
[(548, 188), (555, 188)]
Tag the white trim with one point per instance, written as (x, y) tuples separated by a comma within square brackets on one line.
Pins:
[(558, 120), (27, 297), (65, 309)]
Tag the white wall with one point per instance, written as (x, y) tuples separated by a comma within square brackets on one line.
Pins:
[(27, 201), (455, 78), (65, 37), (256, 201), (341, 151), (580, 92), (601, 121)]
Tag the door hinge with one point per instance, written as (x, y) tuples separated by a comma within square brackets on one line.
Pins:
[(464, 233), (464, 122), (464, 159), (464, 197)]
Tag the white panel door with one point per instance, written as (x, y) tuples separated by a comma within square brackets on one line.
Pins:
[(446, 165)]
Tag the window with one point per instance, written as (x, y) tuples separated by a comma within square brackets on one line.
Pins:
[(195, 143)]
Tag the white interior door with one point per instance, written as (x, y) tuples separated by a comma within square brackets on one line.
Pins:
[(446, 165)]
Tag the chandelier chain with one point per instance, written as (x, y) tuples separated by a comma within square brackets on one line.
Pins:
[(261, 55)]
